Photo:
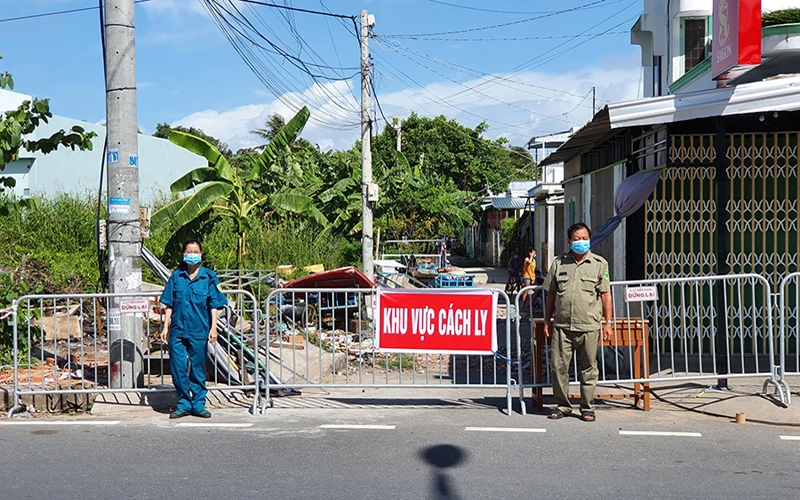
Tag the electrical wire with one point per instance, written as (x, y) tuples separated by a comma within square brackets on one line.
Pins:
[(297, 9), (512, 39), (245, 37), (502, 25), (59, 12), (488, 96), (539, 60), (493, 11), (484, 74)]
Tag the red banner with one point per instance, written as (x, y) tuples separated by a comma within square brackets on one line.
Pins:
[(438, 322), (736, 35)]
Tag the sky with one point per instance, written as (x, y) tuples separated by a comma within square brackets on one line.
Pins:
[(518, 65)]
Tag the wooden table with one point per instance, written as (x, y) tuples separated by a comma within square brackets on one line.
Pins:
[(630, 332)]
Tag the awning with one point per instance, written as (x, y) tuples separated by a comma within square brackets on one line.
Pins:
[(780, 94)]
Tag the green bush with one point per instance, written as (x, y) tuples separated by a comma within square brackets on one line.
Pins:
[(785, 16), (53, 245), (508, 231)]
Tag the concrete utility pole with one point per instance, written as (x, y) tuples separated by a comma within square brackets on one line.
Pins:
[(366, 151), (399, 128), (122, 158)]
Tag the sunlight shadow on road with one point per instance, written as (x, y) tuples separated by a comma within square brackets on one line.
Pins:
[(443, 457)]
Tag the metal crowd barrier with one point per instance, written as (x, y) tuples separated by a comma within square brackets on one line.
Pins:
[(61, 346), (789, 321), (324, 338), (675, 338)]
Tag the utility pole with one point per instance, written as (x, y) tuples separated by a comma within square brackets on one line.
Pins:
[(594, 101), (122, 158), (366, 150), (399, 128)]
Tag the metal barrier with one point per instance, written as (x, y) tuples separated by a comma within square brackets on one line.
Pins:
[(676, 337), (61, 346), (789, 324), (324, 338)]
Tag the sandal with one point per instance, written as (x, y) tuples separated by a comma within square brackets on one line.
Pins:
[(588, 416), (555, 414)]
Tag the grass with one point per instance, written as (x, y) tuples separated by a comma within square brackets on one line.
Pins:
[(400, 362), (54, 244), (785, 16)]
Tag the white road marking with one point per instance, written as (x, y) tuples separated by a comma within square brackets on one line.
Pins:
[(660, 433), (61, 422), (188, 424), (790, 438), (504, 429), (349, 426)]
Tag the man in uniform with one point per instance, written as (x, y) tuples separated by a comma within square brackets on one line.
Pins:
[(579, 295)]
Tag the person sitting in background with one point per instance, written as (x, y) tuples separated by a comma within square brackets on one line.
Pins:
[(514, 267)]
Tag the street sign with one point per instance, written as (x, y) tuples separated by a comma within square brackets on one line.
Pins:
[(132, 306), (446, 322), (641, 294), (114, 323)]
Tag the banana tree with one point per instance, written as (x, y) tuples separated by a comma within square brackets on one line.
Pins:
[(229, 192)]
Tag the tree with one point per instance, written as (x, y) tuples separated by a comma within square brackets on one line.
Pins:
[(16, 124), (272, 126), (163, 130), (456, 152), (229, 192)]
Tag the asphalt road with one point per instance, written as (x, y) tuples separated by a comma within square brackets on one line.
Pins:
[(442, 453)]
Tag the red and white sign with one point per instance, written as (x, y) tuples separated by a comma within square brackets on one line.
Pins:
[(641, 294), (134, 306), (736, 39), (437, 322)]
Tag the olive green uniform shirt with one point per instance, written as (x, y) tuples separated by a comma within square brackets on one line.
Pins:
[(578, 286)]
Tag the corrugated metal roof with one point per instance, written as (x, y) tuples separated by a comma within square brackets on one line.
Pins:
[(780, 94), (583, 140), (508, 203)]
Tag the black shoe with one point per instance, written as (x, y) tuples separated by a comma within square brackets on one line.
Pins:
[(179, 414), (202, 414)]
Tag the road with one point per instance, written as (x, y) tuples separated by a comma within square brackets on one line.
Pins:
[(403, 453)]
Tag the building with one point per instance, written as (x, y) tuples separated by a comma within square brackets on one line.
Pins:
[(709, 213), (485, 239), (675, 39), (542, 225), (78, 172)]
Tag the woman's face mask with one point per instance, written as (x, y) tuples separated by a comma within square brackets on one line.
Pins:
[(192, 258)]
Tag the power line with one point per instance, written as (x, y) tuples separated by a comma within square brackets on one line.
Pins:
[(459, 67), (511, 39), (502, 25), (57, 12), (245, 37), (297, 9), (488, 96), (494, 11), (532, 63)]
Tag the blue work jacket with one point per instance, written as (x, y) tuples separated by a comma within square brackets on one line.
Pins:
[(191, 301)]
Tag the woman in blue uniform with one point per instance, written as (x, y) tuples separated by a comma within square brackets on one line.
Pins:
[(193, 300)]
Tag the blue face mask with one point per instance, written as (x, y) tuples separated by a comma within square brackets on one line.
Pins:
[(192, 258), (580, 247)]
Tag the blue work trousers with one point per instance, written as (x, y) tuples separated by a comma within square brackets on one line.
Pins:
[(189, 381)]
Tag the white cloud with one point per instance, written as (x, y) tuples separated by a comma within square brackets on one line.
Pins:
[(532, 103), (175, 8)]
